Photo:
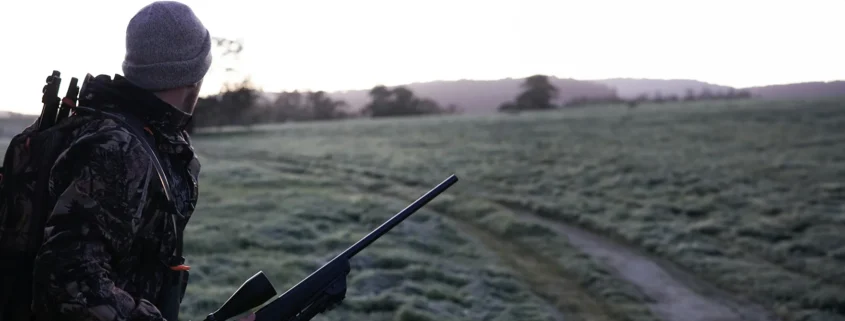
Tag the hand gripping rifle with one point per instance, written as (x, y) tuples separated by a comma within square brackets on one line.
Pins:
[(322, 290)]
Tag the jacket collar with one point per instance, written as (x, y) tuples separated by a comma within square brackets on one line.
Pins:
[(165, 120)]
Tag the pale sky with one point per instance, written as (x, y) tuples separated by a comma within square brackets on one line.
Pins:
[(356, 44)]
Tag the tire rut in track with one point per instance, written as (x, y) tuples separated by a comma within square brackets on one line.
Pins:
[(679, 295), (543, 276)]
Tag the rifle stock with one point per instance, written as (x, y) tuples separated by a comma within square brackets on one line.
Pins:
[(325, 288)]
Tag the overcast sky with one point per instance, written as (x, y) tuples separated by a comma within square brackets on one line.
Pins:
[(356, 44)]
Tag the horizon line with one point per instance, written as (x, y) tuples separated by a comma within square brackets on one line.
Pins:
[(549, 75), (500, 79)]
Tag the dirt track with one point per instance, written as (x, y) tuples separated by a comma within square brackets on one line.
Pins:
[(678, 295), (544, 277)]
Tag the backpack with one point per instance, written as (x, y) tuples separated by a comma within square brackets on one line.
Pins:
[(24, 177)]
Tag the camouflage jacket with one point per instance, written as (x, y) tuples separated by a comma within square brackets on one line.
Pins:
[(110, 229)]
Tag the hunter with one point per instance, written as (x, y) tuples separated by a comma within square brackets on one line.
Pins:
[(110, 237)]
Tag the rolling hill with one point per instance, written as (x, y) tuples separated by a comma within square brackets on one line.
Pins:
[(473, 96), (630, 88), (801, 90), (479, 96)]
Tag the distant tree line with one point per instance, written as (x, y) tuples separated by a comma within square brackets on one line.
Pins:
[(705, 95), (538, 93), (243, 105)]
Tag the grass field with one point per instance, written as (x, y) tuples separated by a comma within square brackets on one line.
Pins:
[(717, 211)]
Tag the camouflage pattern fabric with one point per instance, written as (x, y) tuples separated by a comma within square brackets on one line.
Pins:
[(110, 230)]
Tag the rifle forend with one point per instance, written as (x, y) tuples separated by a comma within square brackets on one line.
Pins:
[(325, 288)]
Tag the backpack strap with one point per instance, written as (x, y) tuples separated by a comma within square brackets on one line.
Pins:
[(137, 128)]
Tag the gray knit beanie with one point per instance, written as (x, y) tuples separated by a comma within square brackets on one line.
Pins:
[(166, 47)]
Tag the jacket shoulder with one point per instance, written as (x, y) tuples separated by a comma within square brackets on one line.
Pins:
[(106, 140)]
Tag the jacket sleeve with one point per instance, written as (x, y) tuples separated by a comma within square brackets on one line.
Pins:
[(99, 183)]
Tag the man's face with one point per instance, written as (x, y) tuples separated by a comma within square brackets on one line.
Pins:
[(191, 98)]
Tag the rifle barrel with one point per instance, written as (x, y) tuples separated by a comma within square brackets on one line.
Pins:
[(398, 218)]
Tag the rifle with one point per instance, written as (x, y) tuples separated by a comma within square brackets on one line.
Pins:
[(321, 291)]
